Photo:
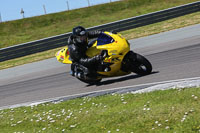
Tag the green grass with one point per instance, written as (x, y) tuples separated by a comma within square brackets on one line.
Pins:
[(28, 59), (29, 29), (175, 110), (164, 26)]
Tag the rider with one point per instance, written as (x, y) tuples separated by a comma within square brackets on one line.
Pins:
[(78, 45)]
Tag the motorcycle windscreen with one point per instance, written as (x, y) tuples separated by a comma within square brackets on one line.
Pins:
[(104, 39)]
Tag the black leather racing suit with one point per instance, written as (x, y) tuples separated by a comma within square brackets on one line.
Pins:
[(77, 51)]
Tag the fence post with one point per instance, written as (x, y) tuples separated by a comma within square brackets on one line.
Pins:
[(22, 12), (88, 2), (45, 12), (0, 18), (68, 5)]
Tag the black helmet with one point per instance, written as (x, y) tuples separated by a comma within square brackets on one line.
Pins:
[(79, 31), (80, 34)]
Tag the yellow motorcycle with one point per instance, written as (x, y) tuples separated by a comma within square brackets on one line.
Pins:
[(118, 59)]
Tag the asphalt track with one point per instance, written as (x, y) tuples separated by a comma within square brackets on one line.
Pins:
[(174, 55)]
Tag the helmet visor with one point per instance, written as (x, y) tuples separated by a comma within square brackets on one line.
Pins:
[(82, 33), (81, 38)]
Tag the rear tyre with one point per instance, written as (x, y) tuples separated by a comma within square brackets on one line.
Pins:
[(140, 65)]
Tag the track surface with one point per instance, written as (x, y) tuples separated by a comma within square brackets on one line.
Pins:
[(172, 58)]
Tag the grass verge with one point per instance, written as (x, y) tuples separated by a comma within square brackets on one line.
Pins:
[(175, 110), (171, 24), (164, 26), (28, 59)]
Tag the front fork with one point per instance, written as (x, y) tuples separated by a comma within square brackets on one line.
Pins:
[(129, 62)]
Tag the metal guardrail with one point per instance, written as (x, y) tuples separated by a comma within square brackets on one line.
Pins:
[(126, 24)]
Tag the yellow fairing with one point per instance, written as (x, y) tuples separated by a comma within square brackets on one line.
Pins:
[(63, 56)]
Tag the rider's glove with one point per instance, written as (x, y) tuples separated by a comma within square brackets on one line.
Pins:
[(99, 58)]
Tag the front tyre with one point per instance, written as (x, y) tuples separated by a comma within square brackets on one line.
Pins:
[(141, 65), (90, 82)]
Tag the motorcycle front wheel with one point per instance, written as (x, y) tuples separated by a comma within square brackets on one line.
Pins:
[(141, 65), (90, 82)]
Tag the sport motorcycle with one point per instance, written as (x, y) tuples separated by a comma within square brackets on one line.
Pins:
[(118, 59)]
